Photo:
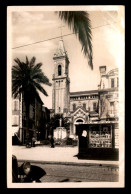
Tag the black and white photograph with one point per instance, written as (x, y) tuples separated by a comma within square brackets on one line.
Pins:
[(65, 96)]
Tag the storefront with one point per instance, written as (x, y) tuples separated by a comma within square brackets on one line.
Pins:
[(98, 140)]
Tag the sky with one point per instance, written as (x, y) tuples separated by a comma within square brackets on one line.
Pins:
[(29, 26)]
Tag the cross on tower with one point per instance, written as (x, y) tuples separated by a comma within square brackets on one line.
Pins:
[(61, 30)]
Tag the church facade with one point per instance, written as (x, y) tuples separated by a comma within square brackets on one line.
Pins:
[(84, 107), (93, 115), (78, 107)]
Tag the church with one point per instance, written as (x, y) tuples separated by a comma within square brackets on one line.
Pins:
[(92, 114), (79, 107)]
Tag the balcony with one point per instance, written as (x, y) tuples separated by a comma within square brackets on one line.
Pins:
[(112, 113)]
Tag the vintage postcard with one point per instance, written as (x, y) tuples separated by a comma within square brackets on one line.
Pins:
[(65, 99)]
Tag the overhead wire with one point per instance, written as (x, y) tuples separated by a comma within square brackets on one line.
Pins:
[(57, 37)]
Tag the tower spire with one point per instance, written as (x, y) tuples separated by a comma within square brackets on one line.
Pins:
[(60, 94), (60, 51)]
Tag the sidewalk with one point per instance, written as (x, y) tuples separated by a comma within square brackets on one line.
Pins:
[(57, 155)]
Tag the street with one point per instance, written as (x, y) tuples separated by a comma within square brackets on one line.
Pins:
[(76, 173)]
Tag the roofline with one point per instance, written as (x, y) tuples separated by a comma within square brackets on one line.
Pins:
[(112, 70), (84, 92), (108, 89)]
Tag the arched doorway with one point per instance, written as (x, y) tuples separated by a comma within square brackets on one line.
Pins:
[(78, 121)]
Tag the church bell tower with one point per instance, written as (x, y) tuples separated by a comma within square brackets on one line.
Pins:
[(61, 81)]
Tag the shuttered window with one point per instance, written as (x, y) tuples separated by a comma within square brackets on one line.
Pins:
[(112, 83), (16, 105)]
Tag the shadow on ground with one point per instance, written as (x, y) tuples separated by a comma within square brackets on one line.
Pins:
[(68, 180)]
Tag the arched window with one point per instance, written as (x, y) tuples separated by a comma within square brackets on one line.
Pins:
[(84, 106), (59, 109), (117, 82), (74, 107), (79, 121), (95, 106), (112, 82), (59, 70), (16, 105)]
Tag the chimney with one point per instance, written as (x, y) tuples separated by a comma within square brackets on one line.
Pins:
[(102, 70)]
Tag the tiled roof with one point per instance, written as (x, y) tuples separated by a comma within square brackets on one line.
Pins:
[(84, 92)]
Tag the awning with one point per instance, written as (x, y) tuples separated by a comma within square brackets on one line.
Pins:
[(102, 122)]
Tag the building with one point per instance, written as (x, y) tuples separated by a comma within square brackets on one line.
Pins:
[(61, 81), (45, 123), (83, 108), (92, 114), (78, 107), (16, 118), (101, 137), (108, 94), (109, 104), (36, 115)]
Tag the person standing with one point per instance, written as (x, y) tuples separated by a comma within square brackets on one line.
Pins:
[(52, 142)]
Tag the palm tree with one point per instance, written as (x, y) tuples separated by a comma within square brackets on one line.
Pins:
[(79, 22), (27, 79)]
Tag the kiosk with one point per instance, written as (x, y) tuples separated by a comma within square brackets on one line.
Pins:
[(98, 141)]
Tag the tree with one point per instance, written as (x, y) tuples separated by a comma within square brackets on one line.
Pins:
[(27, 79), (55, 122), (79, 22)]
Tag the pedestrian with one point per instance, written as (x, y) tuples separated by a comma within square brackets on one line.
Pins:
[(52, 142), (33, 141), (83, 144)]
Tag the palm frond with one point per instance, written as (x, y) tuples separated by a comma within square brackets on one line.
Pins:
[(79, 22), (27, 77), (27, 61), (32, 62), (40, 88), (17, 61), (37, 67), (16, 90), (15, 68), (41, 78)]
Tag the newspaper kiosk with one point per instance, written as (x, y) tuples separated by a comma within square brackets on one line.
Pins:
[(98, 141)]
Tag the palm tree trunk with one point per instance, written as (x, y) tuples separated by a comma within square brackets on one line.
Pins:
[(27, 107), (27, 120)]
